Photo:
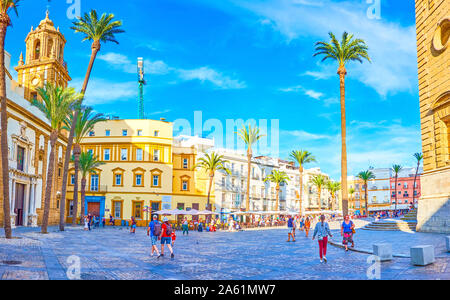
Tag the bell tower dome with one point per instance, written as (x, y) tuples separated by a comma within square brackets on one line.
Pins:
[(44, 59)]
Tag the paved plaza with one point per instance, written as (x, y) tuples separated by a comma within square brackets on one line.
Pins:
[(112, 253)]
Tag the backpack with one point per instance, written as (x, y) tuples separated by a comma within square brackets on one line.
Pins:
[(168, 229), (157, 229)]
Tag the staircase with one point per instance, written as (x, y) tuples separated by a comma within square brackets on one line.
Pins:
[(408, 223)]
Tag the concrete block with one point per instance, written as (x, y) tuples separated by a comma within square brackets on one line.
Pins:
[(422, 255), (383, 251), (447, 242)]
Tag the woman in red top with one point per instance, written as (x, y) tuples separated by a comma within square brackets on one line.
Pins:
[(166, 237)]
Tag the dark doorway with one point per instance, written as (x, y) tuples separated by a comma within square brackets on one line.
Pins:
[(19, 205)]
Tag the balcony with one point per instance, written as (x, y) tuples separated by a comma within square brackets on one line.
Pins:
[(100, 189)]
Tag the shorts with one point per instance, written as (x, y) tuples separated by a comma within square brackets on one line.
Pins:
[(291, 230), (166, 241), (154, 240), (134, 226)]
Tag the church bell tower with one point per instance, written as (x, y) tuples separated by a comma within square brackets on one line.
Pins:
[(44, 59)]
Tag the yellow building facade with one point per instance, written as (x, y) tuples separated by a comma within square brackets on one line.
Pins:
[(433, 33), (142, 172)]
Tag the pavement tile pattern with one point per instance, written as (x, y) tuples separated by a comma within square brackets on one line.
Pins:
[(115, 254)]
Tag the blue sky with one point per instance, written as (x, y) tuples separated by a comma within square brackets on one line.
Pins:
[(251, 59)]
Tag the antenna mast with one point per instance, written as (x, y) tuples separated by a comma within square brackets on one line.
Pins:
[(141, 82)]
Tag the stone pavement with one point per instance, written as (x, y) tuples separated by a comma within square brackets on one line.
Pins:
[(115, 254)]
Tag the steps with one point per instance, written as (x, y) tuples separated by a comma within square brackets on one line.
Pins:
[(408, 223)]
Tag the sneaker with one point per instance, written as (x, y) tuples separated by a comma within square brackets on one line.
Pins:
[(321, 260), (325, 260), (161, 255), (172, 256)]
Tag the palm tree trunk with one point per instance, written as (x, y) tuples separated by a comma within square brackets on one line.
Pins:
[(320, 200), (76, 160), (301, 190), (396, 178), (342, 73), (249, 169), (366, 193), (277, 204), (95, 49), (211, 178), (83, 196), (49, 183), (415, 181), (4, 21)]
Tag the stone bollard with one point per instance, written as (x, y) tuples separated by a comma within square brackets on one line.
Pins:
[(447, 242), (383, 251), (422, 255)]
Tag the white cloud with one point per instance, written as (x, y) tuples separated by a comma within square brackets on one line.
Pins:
[(314, 94), (158, 67), (121, 62), (392, 47), (206, 74), (102, 91)]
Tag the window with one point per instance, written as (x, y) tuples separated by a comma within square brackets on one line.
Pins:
[(139, 132), (91, 133), (34, 96), (185, 163), (155, 181), (223, 181), (70, 213), (185, 185), (91, 151), (405, 185), (138, 181), (118, 180), (107, 155), (124, 154), (139, 155), (156, 133), (108, 132), (156, 155), (72, 179), (20, 158), (94, 182), (117, 214), (137, 210), (156, 178), (118, 177), (124, 132)]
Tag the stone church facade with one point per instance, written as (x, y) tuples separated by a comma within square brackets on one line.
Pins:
[(433, 34), (29, 131)]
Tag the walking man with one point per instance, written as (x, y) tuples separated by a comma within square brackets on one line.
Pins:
[(154, 231), (322, 231)]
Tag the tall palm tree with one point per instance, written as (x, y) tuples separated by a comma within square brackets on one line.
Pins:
[(302, 158), (85, 123), (319, 181), (5, 7), (210, 164), (95, 30), (56, 104), (250, 136), (333, 187), (279, 178), (396, 169), (88, 165), (419, 158), (365, 176), (351, 192), (347, 50)]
